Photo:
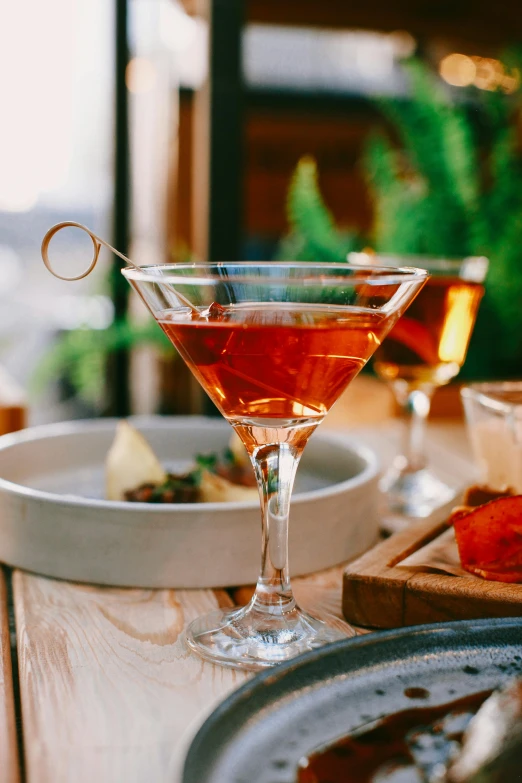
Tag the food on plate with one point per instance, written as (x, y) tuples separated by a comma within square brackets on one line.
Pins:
[(475, 739), (489, 538), (408, 746), (183, 488), (492, 747), (130, 463), (479, 494), (135, 474), (217, 489)]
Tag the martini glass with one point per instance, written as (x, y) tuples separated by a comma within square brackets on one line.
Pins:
[(274, 345), (425, 350)]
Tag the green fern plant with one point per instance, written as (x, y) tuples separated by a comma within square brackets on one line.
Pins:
[(80, 356), (452, 188), (314, 235)]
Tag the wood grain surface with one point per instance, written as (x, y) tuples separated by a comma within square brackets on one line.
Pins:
[(378, 593), (9, 766), (109, 691)]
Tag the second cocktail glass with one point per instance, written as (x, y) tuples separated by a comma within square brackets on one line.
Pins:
[(425, 350), (274, 345)]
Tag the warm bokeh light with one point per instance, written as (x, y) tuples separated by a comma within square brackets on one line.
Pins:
[(459, 70), (366, 257), (511, 82), (404, 44), (458, 325), (140, 75), (486, 73), (489, 73)]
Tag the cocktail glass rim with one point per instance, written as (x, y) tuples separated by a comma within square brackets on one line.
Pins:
[(477, 266), (391, 274)]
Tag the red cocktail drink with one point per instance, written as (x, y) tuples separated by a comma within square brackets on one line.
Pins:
[(274, 361)]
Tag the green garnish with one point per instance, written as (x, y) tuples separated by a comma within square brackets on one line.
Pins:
[(207, 461)]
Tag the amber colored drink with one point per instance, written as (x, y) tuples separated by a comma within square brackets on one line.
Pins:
[(428, 345), (275, 361)]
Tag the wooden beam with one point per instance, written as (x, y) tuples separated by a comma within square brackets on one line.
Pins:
[(477, 21), (118, 365), (179, 221)]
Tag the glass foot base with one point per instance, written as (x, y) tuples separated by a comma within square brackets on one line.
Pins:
[(247, 638), (413, 494)]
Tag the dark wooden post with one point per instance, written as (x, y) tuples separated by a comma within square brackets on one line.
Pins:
[(118, 366), (226, 131), (218, 137)]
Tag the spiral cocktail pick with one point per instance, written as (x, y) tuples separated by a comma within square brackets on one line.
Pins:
[(97, 243)]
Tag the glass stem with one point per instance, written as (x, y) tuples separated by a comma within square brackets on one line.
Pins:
[(275, 464), (415, 407)]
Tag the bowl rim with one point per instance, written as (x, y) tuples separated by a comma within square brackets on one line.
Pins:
[(369, 471)]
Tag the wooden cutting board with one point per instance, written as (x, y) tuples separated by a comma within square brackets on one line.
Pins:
[(377, 593)]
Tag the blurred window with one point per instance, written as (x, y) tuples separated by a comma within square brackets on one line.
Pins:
[(351, 61), (56, 93)]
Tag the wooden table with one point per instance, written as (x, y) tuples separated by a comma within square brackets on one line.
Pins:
[(104, 689)]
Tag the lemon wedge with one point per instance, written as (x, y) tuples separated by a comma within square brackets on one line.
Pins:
[(130, 463)]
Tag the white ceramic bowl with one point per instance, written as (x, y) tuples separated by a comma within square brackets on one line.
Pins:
[(54, 520)]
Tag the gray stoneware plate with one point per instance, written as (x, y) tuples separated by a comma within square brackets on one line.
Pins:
[(259, 734)]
